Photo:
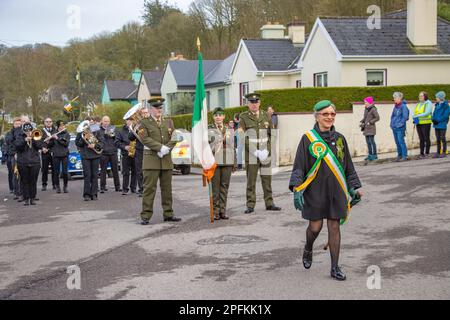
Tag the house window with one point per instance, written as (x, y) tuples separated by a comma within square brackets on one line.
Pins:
[(208, 100), (243, 91), (298, 83), (221, 98), (321, 79), (376, 77)]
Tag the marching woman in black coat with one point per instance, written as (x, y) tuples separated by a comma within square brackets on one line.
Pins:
[(90, 156), (324, 182), (28, 162), (59, 146)]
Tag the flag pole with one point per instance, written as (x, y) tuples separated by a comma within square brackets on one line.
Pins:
[(207, 178)]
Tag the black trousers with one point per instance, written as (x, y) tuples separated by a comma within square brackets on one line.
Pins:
[(138, 160), (90, 172), (10, 166), (441, 141), (424, 131), (128, 165), (47, 161), (105, 159), (28, 181), (60, 165)]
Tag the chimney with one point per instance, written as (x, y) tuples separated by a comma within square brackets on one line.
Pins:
[(297, 33), (422, 22), (273, 31)]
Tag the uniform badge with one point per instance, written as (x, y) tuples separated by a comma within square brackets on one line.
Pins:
[(266, 124)]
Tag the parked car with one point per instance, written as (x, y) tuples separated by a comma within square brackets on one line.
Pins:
[(182, 154)]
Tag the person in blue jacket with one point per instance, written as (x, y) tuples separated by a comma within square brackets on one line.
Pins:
[(399, 117), (440, 120)]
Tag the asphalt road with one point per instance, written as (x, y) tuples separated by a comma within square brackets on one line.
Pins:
[(400, 229)]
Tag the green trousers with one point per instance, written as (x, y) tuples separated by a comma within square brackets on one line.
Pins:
[(151, 178), (266, 181), (220, 186)]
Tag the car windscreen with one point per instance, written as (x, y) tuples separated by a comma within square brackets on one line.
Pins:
[(72, 146)]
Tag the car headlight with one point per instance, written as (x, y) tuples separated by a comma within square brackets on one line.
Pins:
[(73, 160)]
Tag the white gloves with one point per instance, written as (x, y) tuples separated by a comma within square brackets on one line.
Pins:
[(261, 155), (163, 152)]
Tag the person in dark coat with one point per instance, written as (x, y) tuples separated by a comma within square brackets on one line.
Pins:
[(90, 161), (324, 197), (139, 157), (28, 162), (59, 146), (440, 122), (109, 155), (399, 118), (46, 155), (9, 153), (368, 127), (128, 165)]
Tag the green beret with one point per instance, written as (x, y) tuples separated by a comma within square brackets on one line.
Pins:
[(253, 97), (156, 102), (322, 105), (218, 111)]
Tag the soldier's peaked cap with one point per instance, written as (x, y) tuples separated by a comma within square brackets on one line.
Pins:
[(253, 97), (156, 102)]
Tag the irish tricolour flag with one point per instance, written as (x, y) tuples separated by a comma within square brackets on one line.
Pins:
[(201, 146)]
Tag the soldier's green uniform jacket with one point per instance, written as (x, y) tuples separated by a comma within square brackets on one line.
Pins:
[(261, 125), (222, 146), (154, 137)]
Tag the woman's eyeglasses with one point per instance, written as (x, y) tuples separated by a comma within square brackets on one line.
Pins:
[(328, 114)]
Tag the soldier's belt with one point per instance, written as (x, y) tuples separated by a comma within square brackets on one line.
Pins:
[(264, 140)]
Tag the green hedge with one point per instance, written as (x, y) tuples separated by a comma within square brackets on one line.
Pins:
[(304, 99)]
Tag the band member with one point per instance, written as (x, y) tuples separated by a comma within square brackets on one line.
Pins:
[(222, 144), (90, 156), (320, 190), (47, 160), (11, 161), (128, 154), (139, 157), (257, 152), (59, 145), (109, 155), (28, 161), (157, 139)]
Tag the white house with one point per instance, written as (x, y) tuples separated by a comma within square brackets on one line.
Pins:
[(412, 47), (267, 63), (180, 77)]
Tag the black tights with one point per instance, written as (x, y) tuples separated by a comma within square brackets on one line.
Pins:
[(334, 238)]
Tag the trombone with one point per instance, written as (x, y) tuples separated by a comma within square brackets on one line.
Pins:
[(32, 132)]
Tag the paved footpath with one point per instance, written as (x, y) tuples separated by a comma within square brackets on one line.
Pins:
[(402, 227)]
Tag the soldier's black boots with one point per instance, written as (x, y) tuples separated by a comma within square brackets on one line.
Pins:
[(307, 259), (273, 208), (172, 219), (249, 211), (223, 216), (145, 222), (338, 274)]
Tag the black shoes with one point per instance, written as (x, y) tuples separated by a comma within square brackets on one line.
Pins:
[(94, 198), (58, 190), (338, 274), (118, 190), (273, 208), (145, 222), (103, 191), (26, 202), (44, 188), (249, 211), (172, 219), (307, 259), (87, 198), (223, 216), (32, 203), (65, 190)]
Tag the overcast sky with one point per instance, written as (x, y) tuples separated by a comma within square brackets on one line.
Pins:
[(57, 21)]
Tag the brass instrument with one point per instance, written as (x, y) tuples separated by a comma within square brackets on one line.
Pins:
[(88, 136), (135, 116)]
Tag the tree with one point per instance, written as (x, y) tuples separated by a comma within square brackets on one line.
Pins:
[(155, 11), (183, 104)]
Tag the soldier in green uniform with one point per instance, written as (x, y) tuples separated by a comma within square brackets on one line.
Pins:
[(257, 126), (156, 134), (221, 140)]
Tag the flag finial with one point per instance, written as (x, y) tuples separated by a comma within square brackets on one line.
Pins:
[(199, 44)]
